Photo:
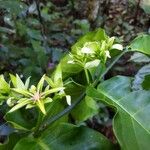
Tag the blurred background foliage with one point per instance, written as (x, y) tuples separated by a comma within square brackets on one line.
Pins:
[(35, 34)]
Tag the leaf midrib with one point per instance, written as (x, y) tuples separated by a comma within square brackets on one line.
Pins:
[(132, 116)]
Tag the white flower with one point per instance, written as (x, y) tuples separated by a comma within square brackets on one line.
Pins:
[(107, 54), (68, 99), (92, 64), (70, 62), (87, 50), (117, 46)]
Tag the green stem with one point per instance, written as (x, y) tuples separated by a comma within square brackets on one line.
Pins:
[(87, 76), (46, 124), (39, 121)]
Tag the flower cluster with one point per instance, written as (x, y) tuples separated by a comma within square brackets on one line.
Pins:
[(92, 53), (23, 95)]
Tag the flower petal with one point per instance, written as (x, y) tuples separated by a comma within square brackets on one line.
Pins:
[(117, 46), (68, 99)]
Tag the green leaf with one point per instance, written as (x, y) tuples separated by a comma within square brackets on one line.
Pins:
[(22, 119), (4, 86), (30, 143), (67, 137), (22, 92), (50, 82), (27, 82), (21, 104), (48, 100), (56, 80), (140, 77), (97, 35), (17, 82), (41, 106), (69, 68), (52, 110), (52, 91), (58, 75), (20, 84), (86, 109), (146, 82), (141, 44), (13, 80), (41, 83), (131, 122), (11, 142), (74, 90)]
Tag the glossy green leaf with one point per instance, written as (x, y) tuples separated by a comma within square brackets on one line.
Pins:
[(52, 110), (141, 44), (22, 119), (74, 90), (86, 109), (67, 136), (131, 122)]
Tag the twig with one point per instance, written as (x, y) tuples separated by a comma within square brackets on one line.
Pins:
[(40, 16), (137, 11)]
